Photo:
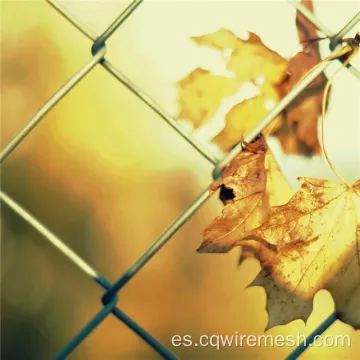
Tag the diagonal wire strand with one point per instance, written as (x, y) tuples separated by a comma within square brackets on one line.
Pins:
[(190, 211), (92, 273), (158, 347), (100, 41), (278, 108), (50, 236), (157, 245), (86, 330), (147, 99), (325, 30), (310, 339), (160, 111), (340, 35), (35, 119)]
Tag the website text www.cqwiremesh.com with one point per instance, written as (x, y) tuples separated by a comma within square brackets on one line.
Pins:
[(239, 340)]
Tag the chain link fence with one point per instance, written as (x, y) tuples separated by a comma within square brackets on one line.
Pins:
[(98, 50)]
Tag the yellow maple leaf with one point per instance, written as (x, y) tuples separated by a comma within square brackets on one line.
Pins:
[(251, 183), (245, 115), (308, 244), (220, 40), (252, 59), (302, 114), (249, 59), (200, 94)]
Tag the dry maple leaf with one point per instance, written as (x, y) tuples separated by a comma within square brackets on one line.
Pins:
[(308, 244), (200, 94), (249, 58), (251, 183), (244, 116), (299, 133), (220, 40), (251, 61)]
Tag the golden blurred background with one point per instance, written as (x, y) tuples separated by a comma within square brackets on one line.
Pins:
[(107, 175)]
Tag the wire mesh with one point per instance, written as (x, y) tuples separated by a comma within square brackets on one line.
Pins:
[(98, 50)]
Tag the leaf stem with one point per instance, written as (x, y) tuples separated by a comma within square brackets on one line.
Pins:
[(351, 51)]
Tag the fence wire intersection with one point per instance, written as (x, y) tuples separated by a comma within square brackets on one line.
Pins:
[(98, 50)]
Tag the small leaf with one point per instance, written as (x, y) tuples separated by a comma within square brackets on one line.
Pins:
[(220, 40), (200, 94), (252, 59), (245, 116), (302, 114), (299, 134)]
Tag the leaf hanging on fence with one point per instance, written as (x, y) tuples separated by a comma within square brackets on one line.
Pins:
[(308, 244), (299, 133), (249, 184), (251, 61)]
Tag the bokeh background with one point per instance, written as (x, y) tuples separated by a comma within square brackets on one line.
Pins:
[(107, 175)]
